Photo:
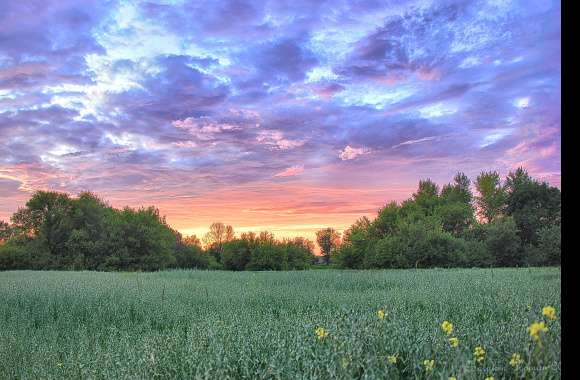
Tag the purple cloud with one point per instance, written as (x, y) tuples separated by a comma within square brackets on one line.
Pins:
[(178, 101)]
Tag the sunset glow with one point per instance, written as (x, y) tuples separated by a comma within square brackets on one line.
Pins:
[(287, 116)]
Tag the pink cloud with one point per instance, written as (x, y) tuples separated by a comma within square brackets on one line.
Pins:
[(426, 74), (277, 141), (291, 171)]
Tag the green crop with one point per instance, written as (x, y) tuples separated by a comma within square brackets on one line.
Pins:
[(279, 325)]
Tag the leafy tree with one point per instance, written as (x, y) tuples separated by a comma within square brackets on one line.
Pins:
[(266, 256), (356, 241), (427, 196), (328, 239), (190, 256), (14, 256), (192, 241), (492, 197), (503, 243), (298, 253), (532, 204), (141, 240), (5, 231), (388, 252), (265, 237), (549, 245), (236, 254), (459, 191), (48, 217), (456, 209), (386, 221), (218, 234)]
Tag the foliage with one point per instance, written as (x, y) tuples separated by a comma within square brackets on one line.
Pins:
[(532, 204), (519, 225), (328, 240), (492, 196)]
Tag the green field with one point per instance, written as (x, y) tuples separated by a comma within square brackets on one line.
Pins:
[(257, 325)]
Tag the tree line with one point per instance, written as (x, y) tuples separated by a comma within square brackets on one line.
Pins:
[(516, 222), (513, 223), (57, 231)]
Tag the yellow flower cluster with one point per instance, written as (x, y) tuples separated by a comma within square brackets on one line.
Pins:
[(381, 314), (536, 329), (479, 354), (516, 360), (429, 364), (452, 378), (447, 327), (321, 333), (549, 312), (454, 342)]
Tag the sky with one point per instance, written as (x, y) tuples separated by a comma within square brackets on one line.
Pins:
[(286, 116)]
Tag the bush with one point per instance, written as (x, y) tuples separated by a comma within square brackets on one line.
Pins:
[(14, 257), (236, 255), (388, 252), (190, 257), (548, 249), (503, 242)]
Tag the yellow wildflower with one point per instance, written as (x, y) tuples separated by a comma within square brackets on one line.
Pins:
[(392, 359), (454, 342), (381, 314), (321, 333), (489, 378), (549, 312), (536, 329), (429, 364), (516, 360), (447, 327), (452, 378), (479, 354)]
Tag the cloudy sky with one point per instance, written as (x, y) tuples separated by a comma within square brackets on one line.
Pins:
[(281, 115)]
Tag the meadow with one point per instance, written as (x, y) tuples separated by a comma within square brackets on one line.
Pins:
[(280, 325)]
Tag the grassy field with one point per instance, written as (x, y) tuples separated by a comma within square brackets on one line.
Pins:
[(258, 325)]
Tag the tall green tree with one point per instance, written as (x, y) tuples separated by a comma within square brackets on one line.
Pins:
[(356, 241), (47, 216), (456, 209), (503, 242), (5, 231), (533, 204), (492, 196), (328, 239), (215, 238), (427, 195)]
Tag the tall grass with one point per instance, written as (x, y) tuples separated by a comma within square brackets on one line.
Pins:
[(261, 325)]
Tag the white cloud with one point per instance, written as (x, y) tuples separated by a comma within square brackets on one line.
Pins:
[(350, 153), (417, 141), (277, 141), (437, 110), (522, 102), (495, 136)]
